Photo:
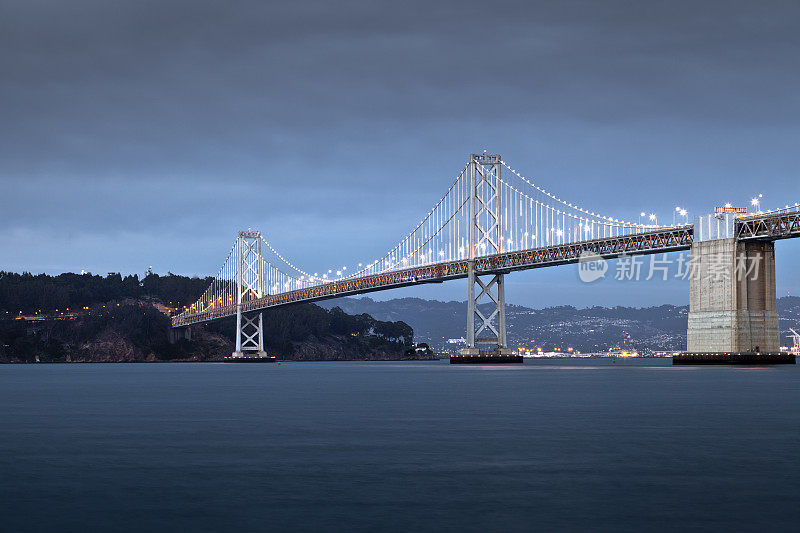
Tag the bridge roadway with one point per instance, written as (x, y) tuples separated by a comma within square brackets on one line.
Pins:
[(769, 226)]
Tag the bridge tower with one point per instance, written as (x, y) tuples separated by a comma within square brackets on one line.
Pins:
[(486, 329), (249, 286)]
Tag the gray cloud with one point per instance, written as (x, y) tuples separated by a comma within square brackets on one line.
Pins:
[(169, 118)]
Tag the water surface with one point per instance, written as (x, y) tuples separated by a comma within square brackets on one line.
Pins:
[(623, 446)]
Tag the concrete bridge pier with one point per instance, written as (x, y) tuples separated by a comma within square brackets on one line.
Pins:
[(176, 334), (732, 301)]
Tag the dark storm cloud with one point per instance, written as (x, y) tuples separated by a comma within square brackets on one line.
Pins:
[(204, 79), (170, 119)]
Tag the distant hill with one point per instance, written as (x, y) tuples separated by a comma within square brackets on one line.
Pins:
[(588, 330)]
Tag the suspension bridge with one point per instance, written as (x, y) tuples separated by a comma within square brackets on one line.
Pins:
[(491, 221)]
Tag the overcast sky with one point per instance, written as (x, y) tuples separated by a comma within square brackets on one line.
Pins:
[(145, 133)]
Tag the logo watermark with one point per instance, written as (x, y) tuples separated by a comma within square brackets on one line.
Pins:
[(591, 267), (682, 266)]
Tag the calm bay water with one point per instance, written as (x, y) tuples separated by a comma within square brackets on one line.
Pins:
[(549, 445)]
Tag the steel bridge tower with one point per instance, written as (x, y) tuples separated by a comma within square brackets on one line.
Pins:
[(249, 286), (486, 336)]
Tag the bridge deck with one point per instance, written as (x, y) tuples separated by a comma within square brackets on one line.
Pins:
[(670, 240), (777, 225)]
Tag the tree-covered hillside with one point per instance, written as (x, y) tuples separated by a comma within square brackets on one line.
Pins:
[(28, 293), (113, 318)]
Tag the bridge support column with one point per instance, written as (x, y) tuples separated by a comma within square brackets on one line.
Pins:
[(176, 334), (486, 328), (732, 302), (249, 336), (486, 337)]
